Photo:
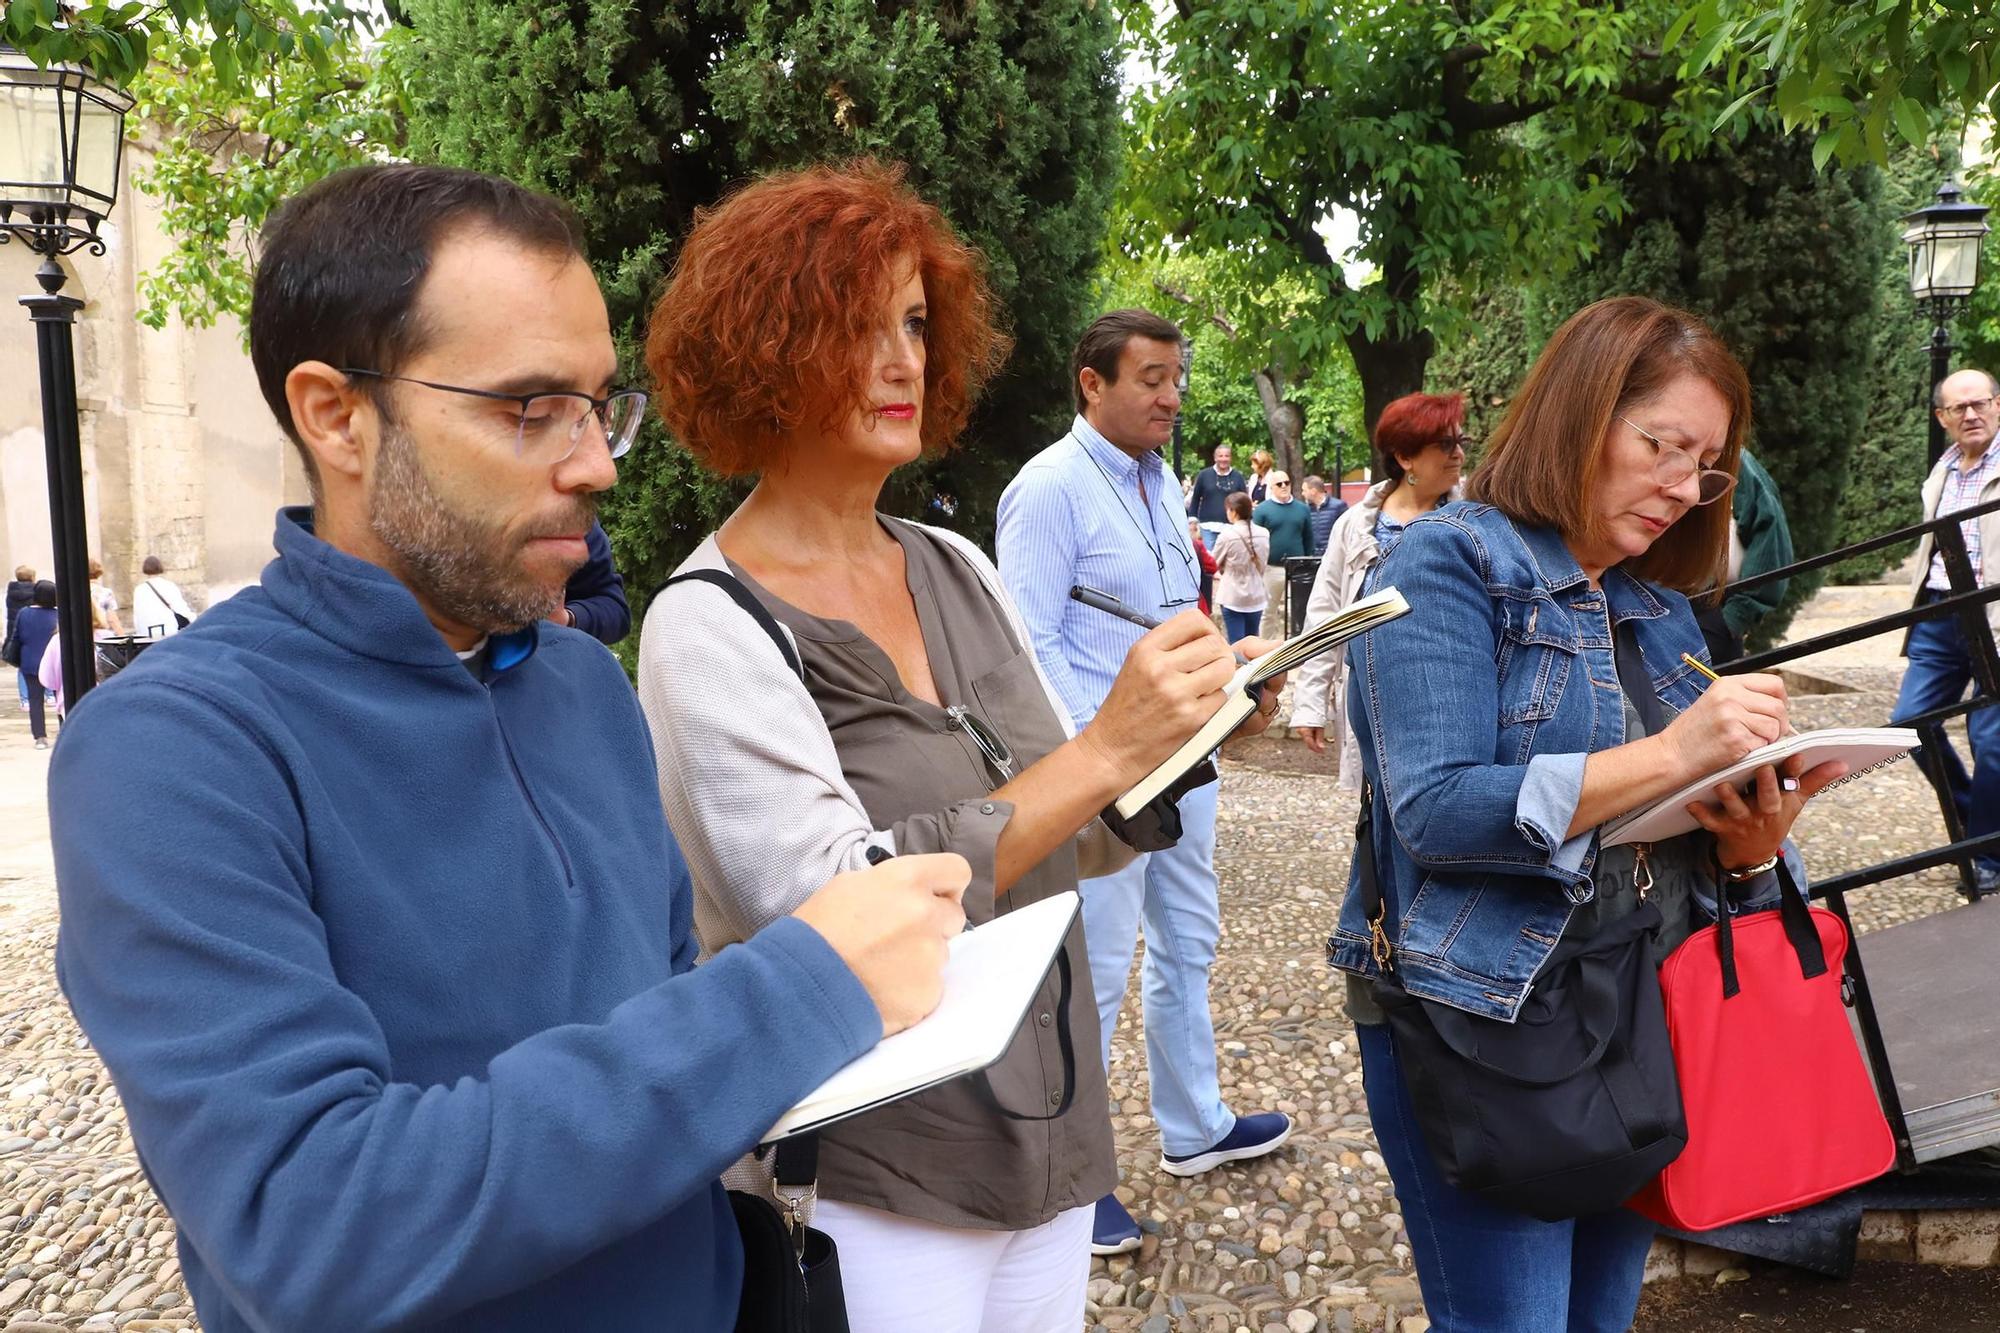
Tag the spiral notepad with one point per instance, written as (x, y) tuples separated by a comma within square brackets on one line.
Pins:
[(1862, 749)]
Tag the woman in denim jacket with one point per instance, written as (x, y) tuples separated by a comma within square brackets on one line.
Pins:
[(1535, 691)]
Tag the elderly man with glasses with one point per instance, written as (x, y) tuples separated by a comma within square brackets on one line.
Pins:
[(1968, 475), (1289, 521)]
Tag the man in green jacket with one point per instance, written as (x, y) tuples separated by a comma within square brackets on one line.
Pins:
[(1760, 541), (1289, 520)]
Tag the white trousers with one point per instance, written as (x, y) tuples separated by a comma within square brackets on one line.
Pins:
[(904, 1275)]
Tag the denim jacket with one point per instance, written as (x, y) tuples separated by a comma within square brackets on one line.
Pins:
[(1475, 713)]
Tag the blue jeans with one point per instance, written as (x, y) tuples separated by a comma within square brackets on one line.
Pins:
[(21, 680), (1240, 624), (1173, 892), (1940, 669), (1486, 1269)]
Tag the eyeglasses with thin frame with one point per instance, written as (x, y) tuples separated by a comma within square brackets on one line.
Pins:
[(960, 718), (1673, 465), (1957, 411), (551, 424), (1455, 444)]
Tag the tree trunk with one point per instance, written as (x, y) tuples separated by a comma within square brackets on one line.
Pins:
[(1286, 420), (1389, 368)]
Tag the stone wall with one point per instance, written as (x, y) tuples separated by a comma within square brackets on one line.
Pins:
[(181, 458)]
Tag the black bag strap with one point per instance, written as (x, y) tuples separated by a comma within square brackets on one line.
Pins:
[(743, 597), (1373, 907), (1792, 911)]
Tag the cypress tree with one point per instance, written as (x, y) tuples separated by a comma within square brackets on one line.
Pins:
[(1005, 113)]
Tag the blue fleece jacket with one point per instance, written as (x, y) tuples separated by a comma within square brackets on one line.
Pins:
[(391, 965)]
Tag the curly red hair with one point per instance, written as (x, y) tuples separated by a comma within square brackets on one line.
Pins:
[(767, 321)]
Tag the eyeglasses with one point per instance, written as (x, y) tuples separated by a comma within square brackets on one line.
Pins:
[(960, 718), (1957, 411), (1673, 465), (1281, 483), (1455, 444), (551, 424)]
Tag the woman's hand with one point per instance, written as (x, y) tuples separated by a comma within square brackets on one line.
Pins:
[(1314, 737), (1733, 716), (1170, 684), (1748, 831)]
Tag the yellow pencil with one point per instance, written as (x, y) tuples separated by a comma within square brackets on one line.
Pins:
[(1789, 784)]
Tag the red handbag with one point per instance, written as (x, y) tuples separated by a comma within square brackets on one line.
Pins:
[(1781, 1112)]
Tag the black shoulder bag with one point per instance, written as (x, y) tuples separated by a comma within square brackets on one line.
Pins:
[(1569, 1109)]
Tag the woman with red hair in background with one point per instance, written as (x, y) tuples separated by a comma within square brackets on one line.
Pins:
[(1420, 448), (873, 690)]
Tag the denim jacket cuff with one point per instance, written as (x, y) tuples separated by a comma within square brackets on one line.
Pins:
[(1542, 812)]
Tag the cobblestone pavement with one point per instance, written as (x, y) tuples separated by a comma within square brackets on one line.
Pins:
[(1309, 1239)]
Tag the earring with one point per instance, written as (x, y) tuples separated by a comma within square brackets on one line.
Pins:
[(1410, 477)]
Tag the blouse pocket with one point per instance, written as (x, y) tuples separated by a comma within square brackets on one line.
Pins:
[(1010, 698)]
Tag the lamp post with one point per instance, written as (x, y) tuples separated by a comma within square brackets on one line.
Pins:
[(1944, 239), (62, 135)]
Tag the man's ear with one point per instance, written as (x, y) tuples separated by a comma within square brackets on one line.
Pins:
[(1092, 385), (332, 416)]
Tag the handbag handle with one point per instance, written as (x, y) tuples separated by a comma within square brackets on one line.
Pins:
[(1792, 911)]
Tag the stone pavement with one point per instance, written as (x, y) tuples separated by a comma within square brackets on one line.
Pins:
[(1310, 1239)]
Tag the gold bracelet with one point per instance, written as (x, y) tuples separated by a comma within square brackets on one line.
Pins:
[(1751, 872)]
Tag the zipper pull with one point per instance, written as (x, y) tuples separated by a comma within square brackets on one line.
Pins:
[(1642, 873)]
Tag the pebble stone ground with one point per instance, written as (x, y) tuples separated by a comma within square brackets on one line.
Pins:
[(1308, 1240)]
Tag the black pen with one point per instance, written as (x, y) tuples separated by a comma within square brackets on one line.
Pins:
[(877, 854), (1105, 602)]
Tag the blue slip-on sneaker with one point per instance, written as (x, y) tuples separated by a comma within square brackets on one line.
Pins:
[(1253, 1136), (1113, 1231)]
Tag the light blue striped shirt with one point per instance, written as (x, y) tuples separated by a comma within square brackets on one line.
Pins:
[(1085, 511)]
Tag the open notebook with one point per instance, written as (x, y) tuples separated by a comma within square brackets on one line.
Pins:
[(990, 979), (1863, 749), (1357, 618)]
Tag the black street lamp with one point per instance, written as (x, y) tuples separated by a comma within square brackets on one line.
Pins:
[(1944, 240), (62, 134)]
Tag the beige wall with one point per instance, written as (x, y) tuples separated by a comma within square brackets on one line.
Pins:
[(181, 458)]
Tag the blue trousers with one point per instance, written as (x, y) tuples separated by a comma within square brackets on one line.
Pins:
[(1241, 624), (1485, 1269), (1940, 668), (1173, 894)]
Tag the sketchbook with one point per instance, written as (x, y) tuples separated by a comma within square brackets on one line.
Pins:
[(1864, 749), (990, 979), (1237, 701)]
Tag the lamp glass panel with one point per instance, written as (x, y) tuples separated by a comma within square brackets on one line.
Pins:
[(1956, 271), (1920, 243), (98, 131), (31, 165)]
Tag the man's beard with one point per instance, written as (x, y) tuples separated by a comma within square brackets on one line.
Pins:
[(465, 567)]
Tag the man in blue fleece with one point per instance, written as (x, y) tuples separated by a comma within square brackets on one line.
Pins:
[(392, 967)]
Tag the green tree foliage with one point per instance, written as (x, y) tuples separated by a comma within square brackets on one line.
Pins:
[(1222, 404), (640, 115), (1860, 72), (1785, 262), (238, 38), (1435, 124), (229, 150)]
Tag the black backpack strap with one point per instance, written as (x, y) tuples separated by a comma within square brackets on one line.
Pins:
[(1365, 882), (746, 599)]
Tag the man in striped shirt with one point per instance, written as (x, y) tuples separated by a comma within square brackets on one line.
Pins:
[(1098, 507), (1940, 657)]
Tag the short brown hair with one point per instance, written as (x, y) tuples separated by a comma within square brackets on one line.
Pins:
[(1104, 342), (342, 264), (765, 324), (1543, 460)]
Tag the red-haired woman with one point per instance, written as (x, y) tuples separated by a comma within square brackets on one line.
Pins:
[(1420, 444), (823, 328)]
